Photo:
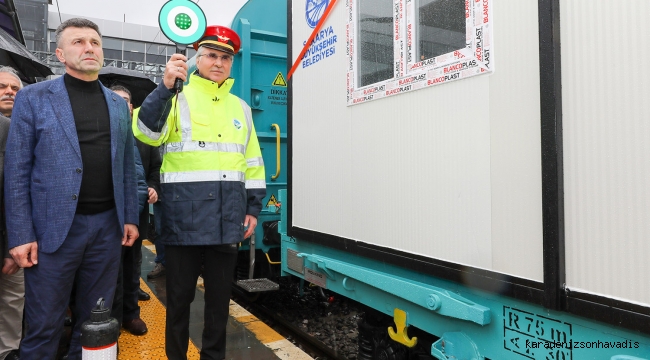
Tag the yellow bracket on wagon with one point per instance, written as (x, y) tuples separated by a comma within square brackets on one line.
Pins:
[(401, 324)]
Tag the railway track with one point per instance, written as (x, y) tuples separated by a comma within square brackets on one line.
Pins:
[(314, 332)]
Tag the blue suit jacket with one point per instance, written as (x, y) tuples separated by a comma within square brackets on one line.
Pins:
[(42, 180)]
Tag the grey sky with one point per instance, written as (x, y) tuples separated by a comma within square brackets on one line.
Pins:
[(144, 12)]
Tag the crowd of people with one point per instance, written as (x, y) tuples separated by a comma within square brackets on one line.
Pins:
[(78, 185)]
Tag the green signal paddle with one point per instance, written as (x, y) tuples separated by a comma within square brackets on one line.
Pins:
[(183, 22)]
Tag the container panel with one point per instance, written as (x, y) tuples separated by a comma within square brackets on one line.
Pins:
[(606, 147), (451, 172)]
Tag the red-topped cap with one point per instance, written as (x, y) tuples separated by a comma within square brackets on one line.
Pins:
[(219, 38)]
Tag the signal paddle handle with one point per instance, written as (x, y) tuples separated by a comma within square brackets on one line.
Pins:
[(178, 84)]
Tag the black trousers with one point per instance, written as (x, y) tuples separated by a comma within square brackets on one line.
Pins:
[(183, 269), (125, 303)]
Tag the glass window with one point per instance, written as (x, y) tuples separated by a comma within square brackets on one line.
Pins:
[(401, 46), (133, 56), (441, 27), (155, 49), (111, 43), (112, 54), (52, 39), (28, 27), (376, 44), (135, 46), (156, 54), (40, 46), (156, 59), (151, 48), (112, 62)]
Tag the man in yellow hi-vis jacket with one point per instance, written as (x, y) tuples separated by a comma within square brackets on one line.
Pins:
[(212, 184)]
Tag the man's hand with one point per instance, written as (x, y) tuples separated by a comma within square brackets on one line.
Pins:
[(251, 222), (130, 234), (10, 267), (175, 68), (153, 196), (25, 255)]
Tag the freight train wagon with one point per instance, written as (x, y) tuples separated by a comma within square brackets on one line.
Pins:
[(475, 172), (259, 70)]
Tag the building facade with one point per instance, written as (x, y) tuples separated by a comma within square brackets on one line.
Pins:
[(33, 22), (126, 45)]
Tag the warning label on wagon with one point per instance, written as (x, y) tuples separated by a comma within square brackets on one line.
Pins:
[(272, 201), (279, 80)]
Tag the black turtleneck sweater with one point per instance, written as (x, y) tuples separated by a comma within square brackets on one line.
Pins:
[(94, 132)]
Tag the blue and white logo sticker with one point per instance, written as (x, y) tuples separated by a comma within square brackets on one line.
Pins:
[(314, 10), (237, 124)]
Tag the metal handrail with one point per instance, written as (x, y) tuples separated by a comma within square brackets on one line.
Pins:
[(277, 133), (272, 262)]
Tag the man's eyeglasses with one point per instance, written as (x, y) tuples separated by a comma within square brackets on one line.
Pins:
[(13, 87), (214, 57)]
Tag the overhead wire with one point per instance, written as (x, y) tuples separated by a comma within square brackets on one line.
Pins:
[(59, 10)]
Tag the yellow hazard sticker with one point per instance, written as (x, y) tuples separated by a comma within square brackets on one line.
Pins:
[(279, 80), (272, 201)]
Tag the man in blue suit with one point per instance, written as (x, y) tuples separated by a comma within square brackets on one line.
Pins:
[(70, 195)]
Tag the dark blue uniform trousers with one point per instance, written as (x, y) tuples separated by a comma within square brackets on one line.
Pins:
[(89, 256), (183, 269)]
